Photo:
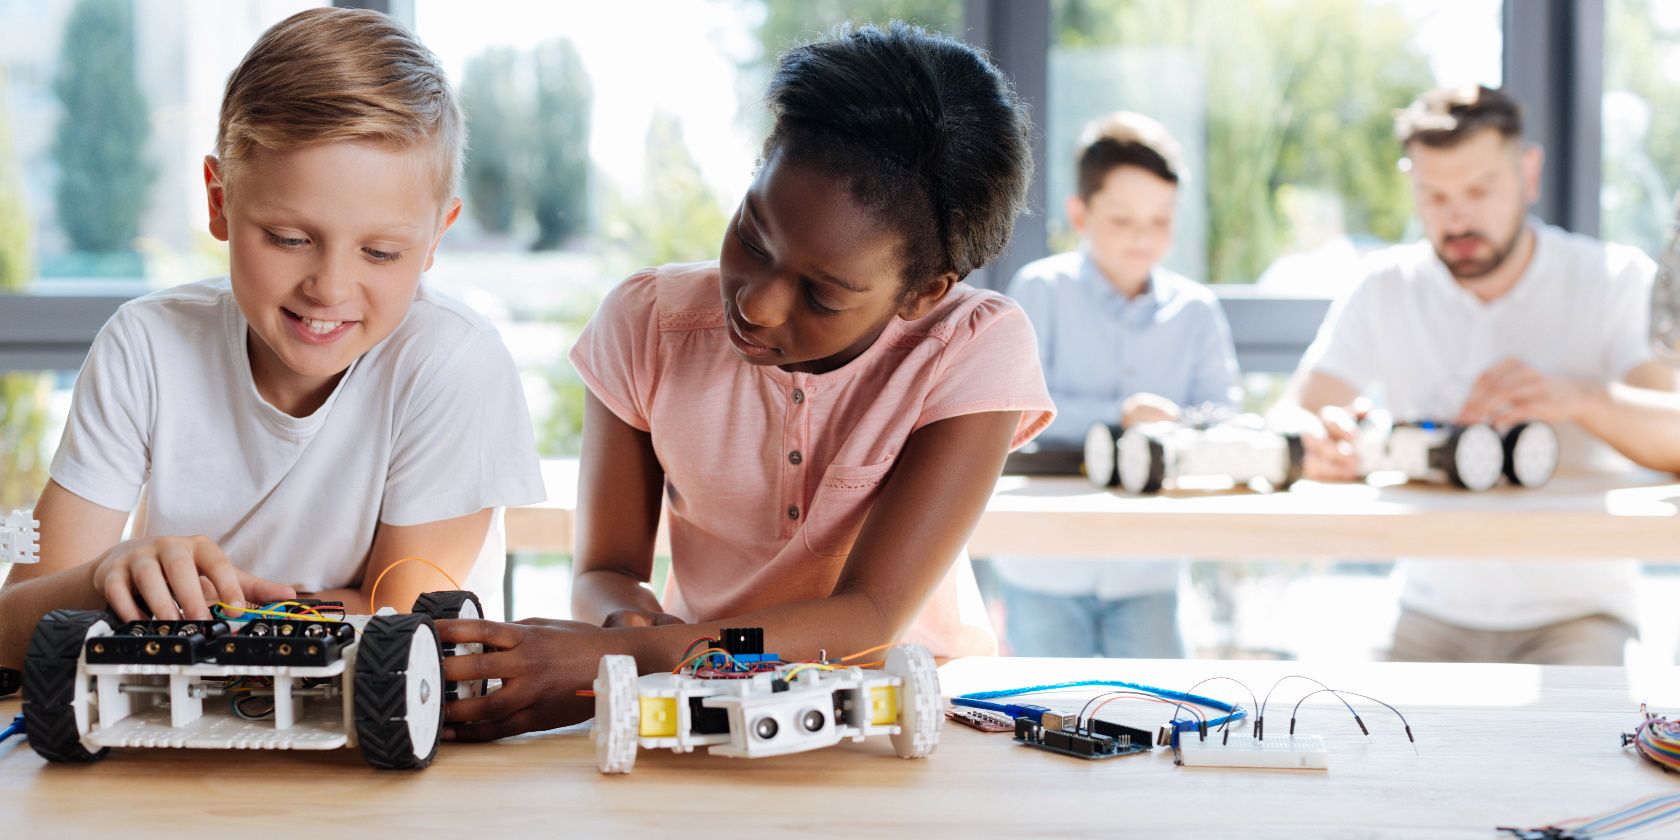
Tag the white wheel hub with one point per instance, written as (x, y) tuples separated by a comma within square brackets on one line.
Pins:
[(617, 714), (424, 711), (919, 707), (1099, 455), (1134, 461), (1480, 457), (1534, 456)]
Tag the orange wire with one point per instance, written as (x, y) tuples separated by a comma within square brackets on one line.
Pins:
[(373, 593), (584, 692), (849, 657)]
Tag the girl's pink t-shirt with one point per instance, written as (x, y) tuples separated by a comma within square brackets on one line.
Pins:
[(769, 475)]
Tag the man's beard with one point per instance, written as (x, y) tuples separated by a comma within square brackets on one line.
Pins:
[(1476, 268)]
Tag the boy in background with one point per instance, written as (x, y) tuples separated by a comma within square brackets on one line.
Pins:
[(1122, 340)]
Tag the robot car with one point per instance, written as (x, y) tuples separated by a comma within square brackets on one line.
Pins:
[(296, 675), (1147, 457), (740, 702)]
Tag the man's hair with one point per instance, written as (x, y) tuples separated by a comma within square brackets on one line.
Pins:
[(341, 75), (925, 131), (1446, 116), (1125, 138)]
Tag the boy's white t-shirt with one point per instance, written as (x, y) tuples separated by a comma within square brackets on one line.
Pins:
[(429, 424), (1415, 341)]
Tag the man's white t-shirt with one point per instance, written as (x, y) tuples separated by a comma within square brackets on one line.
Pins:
[(1414, 341), (429, 424)]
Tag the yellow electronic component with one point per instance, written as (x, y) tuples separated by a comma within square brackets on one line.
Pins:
[(659, 717), (883, 705)]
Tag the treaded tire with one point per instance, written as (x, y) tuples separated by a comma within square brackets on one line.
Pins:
[(382, 706), (449, 605), (49, 684)]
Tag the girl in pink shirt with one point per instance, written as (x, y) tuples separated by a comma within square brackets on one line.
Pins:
[(823, 410)]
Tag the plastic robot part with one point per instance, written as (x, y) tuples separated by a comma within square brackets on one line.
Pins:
[(1293, 752), (920, 714), (1531, 454), (1471, 457), (371, 682), (766, 708), (20, 538), (616, 714), (1102, 465)]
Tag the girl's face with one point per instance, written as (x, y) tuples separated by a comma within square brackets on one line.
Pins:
[(810, 278)]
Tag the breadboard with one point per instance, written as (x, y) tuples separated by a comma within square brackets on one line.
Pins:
[(1297, 752)]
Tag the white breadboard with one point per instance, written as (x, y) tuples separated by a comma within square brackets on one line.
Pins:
[(1297, 752), (19, 538)]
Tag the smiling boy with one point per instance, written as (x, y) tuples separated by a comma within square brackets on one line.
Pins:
[(319, 414)]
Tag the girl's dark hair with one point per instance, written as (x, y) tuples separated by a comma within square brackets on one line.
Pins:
[(929, 134)]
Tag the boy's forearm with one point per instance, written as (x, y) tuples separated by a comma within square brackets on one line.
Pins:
[(1642, 424), (22, 604), (598, 593)]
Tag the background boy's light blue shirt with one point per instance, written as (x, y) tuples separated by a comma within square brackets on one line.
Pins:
[(1099, 348)]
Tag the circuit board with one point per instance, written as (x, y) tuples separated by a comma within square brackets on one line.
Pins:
[(1098, 739), (980, 719)]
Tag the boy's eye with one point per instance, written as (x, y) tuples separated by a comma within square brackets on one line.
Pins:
[(284, 241), (381, 256)]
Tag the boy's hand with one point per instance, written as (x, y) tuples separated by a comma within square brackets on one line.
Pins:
[(1330, 454), (542, 664), (177, 577), (640, 618), (1512, 392), (1147, 408)]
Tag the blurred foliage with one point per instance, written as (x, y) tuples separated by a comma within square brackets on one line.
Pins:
[(1299, 93), (103, 175)]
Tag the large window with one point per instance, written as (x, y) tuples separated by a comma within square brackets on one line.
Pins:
[(1641, 121), (1284, 110)]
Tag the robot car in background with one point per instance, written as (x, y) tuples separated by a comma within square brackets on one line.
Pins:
[(1150, 456)]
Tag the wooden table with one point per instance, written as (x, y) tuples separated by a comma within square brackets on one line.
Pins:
[(1591, 515), (1497, 745)]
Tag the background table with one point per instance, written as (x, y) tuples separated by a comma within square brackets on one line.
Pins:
[(1497, 745), (1579, 516)]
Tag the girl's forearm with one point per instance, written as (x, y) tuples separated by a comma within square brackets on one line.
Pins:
[(598, 593), (834, 626)]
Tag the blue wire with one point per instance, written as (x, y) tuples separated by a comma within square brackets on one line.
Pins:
[(980, 700), (16, 728)]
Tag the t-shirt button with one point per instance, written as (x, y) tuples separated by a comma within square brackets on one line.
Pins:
[(793, 511), (795, 458), (798, 395)]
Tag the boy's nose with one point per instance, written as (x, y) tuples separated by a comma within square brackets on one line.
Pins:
[(331, 282)]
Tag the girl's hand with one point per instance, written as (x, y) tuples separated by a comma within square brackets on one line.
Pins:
[(176, 577), (640, 618), (542, 664)]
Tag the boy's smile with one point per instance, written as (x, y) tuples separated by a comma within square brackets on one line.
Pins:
[(327, 244)]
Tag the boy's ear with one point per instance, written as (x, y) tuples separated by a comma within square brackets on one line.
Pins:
[(449, 219), (216, 195), (924, 299), (1076, 213)]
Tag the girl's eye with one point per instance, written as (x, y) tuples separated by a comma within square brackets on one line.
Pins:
[(748, 243), (284, 241), (816, 302), (381, 256)]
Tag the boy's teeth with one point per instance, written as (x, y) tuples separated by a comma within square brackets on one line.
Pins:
[(321, 327)]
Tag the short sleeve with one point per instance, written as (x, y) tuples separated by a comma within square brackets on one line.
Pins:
[(1627, 329), (616, 352), (990, 363), (105, 453), (1345, 346), (465, 443)]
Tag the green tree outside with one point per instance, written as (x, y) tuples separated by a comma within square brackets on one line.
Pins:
[(497, 149), (100, 148), (1299, 94), (561, 144), (23, 396)]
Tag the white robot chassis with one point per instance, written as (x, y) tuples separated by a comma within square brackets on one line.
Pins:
[(1150, 456)]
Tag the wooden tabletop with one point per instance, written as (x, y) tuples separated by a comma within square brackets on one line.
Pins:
[(1497, 745), (1575, 516)]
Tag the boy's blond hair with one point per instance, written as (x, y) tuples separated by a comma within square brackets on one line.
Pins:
[(340, 75)]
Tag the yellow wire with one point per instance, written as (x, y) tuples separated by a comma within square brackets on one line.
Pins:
[(373, 593), (274, 613), (794, 671)]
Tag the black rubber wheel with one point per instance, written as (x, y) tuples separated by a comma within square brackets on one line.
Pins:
[(453, 604), (49, 684), (1297, 461), (386, 719)]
